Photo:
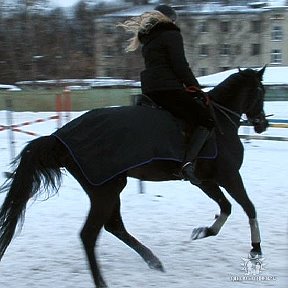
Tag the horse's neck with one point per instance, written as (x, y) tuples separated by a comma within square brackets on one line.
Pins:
[(228, 96), (226, 119), (226, 106)]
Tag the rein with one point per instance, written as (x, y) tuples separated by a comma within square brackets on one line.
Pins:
[(223, 110)]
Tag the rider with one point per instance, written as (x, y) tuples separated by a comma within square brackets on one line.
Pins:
[(168, 79)]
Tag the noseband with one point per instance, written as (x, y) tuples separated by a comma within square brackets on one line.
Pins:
[(259, 122)]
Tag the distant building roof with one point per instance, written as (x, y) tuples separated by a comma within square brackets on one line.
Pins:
[(205, 8), (272, 76), (131, 11)]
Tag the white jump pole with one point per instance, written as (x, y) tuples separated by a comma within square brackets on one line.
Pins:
[(9, 119)]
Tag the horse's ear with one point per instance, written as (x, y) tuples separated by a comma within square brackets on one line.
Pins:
[(260, 73)]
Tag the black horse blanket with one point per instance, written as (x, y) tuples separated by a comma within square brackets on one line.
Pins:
[(109, 141)]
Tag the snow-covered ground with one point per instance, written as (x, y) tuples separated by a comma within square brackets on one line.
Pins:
[(48, 252)]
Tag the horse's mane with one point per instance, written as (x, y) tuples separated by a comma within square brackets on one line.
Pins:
[(231, 83)]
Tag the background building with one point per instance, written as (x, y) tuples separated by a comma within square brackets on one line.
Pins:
[(217, 37)]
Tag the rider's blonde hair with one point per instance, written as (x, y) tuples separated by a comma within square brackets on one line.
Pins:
[(143, 23)]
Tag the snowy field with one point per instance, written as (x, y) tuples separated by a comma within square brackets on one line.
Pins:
[(48, 252)]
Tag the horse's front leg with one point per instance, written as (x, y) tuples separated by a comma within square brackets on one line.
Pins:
[(213, 191), (237, 190), (255, 237)]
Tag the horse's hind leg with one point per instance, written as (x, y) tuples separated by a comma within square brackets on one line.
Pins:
[(236, 189), (116, 226), (103, 200), (212, 190)]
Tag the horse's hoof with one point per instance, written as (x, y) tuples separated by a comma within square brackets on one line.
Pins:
[(201, 232), (156, 265), (8, 175), (256, 251)]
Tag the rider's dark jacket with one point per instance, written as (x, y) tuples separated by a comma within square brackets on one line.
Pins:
[(166, 67)]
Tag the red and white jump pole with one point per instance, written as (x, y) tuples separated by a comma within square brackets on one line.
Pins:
[(9, 117)]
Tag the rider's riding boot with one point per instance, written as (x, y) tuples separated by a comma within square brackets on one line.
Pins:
[(198, 139)]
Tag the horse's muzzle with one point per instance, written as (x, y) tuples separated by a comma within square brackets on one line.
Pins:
[(260, 124)]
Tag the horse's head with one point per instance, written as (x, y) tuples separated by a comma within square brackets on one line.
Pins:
[(253, 105), (242, 93)]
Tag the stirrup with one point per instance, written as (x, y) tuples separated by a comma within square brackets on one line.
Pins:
[(187, 173)]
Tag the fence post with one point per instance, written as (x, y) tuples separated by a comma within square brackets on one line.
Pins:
[(141, 187), (58, 105), (63, 103), (67, 103), (9, 119)]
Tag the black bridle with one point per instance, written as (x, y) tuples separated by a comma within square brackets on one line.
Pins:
[(258, 120)]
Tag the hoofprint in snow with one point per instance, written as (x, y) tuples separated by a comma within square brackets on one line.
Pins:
[(48, 252)]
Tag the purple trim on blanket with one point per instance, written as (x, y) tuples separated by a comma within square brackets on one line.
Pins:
[(116, 174)]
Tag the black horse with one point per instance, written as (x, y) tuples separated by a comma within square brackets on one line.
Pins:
[(39, 164)]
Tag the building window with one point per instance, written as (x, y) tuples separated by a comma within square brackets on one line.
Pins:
[(225, 49), (109, 29), (255, 26), (255, 49), (203, 50), (238, 26), (203, 27), (277, 17), (108, 51), (108, 72), (276, 56), (277, 33), (225, 26), (238, 49)]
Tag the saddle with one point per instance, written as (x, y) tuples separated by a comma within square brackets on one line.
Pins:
[(209, 150), (144, 100)]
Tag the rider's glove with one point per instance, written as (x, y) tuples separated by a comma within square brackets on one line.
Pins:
[(199, 95)]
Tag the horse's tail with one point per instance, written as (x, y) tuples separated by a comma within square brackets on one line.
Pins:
[(38, 169)]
